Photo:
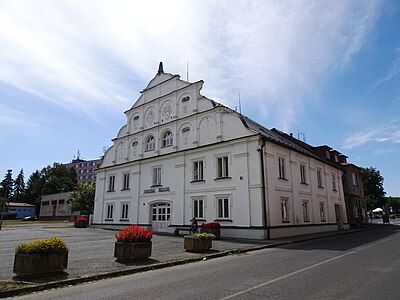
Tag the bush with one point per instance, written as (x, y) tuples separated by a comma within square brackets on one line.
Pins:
[(45, 246), (10, 216)]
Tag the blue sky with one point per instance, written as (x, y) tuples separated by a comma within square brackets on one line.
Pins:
[(329, 69)]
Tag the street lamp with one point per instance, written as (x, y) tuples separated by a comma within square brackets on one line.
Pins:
[(3, 204)]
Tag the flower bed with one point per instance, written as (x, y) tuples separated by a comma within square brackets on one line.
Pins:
[(40, 257), (133, 243), (198, 242), (81, 222), (213, 228)]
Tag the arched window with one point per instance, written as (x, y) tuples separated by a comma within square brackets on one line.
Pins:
[(150, 143), (167, 139)]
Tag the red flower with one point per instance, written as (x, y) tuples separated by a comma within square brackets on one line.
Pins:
[(211, 225), (134, 234), (81, 219)]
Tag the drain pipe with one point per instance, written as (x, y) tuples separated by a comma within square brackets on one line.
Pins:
[(260, 150)]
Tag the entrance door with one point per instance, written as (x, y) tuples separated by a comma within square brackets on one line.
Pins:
[(160, 216)]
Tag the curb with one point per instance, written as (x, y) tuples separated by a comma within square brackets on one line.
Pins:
[(157, 266)]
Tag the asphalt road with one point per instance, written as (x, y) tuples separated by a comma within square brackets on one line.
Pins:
[(364, 265)]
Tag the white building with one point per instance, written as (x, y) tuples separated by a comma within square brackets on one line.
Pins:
[(181, 155)]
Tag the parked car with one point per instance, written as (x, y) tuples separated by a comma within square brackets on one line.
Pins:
[(29, 218)]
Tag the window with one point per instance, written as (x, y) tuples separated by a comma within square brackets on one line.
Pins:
[(285, 210), (303, 173), (223, 208), (198, 170), (150, 143), (354, 178), (198, 208), (167, 139), (305, 212), (124, 211), (333, 182), (222, 167), (125, 184), (110, 210), (111, 183), (157, 176), (319, 178), (322, 211), (328, 154), (281, 167)]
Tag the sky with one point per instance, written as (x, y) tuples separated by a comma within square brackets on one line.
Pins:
[(326, 71)]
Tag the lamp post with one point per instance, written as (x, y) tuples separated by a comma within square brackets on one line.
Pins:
[(3, 204)]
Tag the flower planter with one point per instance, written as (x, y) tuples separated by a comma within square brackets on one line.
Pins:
[(126, 252), (35, 265), (197, 244), (80, 224), (214, 231)]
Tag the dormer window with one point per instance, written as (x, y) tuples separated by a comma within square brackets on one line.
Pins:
[(150, 143), (167, 139)]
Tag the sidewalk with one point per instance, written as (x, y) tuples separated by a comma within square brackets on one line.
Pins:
[(91, 253)]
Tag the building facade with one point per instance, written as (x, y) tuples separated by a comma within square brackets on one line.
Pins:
[(56, 207), (181, 155), (21, 210), (85, 169)]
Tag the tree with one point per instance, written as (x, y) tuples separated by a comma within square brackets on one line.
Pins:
[(7, 185), (19, 187), (394, 204), (374, 192), (58, 179), (83, 198), (34, 188)]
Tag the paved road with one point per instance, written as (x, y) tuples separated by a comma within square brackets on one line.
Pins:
[(364, 265)]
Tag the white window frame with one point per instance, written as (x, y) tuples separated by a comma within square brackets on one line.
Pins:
[(125, 182), (354, 179), (111, 183), (281, 168), (150, 143), (198, 207), (198, 170), (223, 205), (124, 211), (303, 173), (285, 210), (223, 166), (319, 178), (167, 139), (156, 176), (334, 182), (306, 213), (110, 211)]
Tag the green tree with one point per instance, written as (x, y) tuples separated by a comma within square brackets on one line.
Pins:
[(7, 185), (19, 187), (58, 179), (374, 192), (83, 198), (34, 188), (394, 204)]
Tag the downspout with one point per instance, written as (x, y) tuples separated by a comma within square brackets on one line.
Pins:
[(260, 149)]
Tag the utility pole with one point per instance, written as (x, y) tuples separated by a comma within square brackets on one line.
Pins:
[(3, 202)]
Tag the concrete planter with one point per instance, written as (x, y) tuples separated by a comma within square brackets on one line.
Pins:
[(126, 252), (197, 244), (214, 231), (36, 265), (80, 224)]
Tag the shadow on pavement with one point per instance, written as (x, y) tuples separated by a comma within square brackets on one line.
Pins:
[(345, 242)]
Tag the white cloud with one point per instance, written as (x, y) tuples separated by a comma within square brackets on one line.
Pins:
[(388, 132), (95, 55)]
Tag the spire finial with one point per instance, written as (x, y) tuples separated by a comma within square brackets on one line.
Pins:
[(160, 68)]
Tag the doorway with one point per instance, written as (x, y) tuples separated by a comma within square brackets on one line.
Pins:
[(160, 216)]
